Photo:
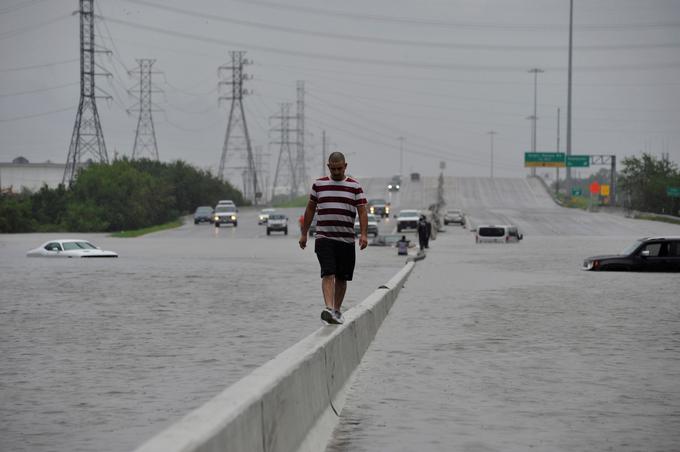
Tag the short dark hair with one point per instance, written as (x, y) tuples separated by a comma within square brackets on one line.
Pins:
[(336, 157)]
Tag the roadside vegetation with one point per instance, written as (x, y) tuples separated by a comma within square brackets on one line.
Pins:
[(300, 201), (149, 230), (125, 195)]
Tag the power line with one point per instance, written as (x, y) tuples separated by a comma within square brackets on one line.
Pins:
[(39, 90), (363, 16), (384, 62), (18, 31), (38, 66), (391, 41), (46, 113)]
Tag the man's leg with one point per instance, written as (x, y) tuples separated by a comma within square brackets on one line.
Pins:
[(340, 288), (328, 286)]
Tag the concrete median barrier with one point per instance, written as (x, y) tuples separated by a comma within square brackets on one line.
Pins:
[(293, 402)]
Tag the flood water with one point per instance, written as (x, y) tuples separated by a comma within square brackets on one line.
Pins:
[(514, 348), (101, 354)]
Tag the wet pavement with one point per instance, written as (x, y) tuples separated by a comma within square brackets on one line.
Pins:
[(513, 348)]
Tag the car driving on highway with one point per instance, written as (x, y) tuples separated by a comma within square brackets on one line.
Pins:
[(372, 226), (264, 215), (277, 222), (379, 207), (454, 216), (653, 254), (407, 219), (225, 214), (203, 214)]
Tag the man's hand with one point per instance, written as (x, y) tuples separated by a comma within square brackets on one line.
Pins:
[(363, 241), (303, 241)]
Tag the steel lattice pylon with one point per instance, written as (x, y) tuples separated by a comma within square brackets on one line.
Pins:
[(237, 120), (301, 163), (87, 135), (145, 137), (285, 165)]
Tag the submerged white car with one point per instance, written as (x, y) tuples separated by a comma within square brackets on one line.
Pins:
[(69, 248)]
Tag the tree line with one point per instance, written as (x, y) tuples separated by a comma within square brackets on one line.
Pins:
[(643, 184), (124, 195)]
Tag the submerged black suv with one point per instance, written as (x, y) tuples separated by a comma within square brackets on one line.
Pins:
[(651, 254)]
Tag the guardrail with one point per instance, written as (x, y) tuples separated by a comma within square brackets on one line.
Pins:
[(293, 402)]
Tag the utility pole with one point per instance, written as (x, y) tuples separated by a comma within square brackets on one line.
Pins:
[(301, 163), (237, 118), (491, 133), (145, 137), (534, 71), (401, 155), (285, 153), (571, 27), (87, 134), (557, 169)]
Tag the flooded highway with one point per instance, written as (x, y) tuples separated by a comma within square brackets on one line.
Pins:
[(494, 347), (101, 354), (488, 347)]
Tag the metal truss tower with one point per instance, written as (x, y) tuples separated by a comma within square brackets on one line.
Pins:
[(145, 137), (301, 163), (285, 173), (87, 135), (237, 120)]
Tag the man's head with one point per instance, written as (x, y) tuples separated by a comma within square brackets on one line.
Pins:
[(337, 165)]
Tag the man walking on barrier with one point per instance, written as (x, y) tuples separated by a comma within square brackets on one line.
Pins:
[(336, 200)]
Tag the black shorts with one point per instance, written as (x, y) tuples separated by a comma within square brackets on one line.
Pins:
[(336, 258)]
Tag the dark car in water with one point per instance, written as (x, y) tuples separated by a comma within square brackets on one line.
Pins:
[(203, 214), (650, 254)]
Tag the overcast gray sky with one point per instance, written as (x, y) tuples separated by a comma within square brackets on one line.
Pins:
[(440, 73)]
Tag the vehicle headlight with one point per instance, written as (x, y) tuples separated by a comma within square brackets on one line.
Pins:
[(216, 217), (387, 210), (389, 186), (397, 187), (372, 209), (233, 217)]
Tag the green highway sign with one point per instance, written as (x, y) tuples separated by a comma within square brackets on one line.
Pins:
[(578, 161), (576, 191), (544, 159), (673, 192)]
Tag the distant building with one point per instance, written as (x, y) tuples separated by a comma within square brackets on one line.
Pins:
[(21, 175)]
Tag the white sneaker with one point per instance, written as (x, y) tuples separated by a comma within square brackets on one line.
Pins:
[(337, 316)]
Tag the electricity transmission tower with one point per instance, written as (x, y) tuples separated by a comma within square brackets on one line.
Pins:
[(285, 175), (145, 137), (237, 123), (301, 163), (87, 137)]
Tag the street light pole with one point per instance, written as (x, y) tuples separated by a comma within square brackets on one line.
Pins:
[(534, 71), (491, 133), (571, 26)]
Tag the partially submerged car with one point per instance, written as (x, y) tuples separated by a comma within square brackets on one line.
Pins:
[(372, 225), (277, 222), (225, 214), (264, 215), (502, 233), (407, 219), (649, 254), (69, 248), (203, 214)]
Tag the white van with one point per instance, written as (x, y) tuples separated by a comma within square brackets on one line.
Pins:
[(490, 233)]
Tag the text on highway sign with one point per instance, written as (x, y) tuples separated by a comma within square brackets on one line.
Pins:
[(580, 161), (544, 159)]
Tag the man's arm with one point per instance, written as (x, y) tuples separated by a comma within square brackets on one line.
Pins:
[(306, 222), (363, 226)]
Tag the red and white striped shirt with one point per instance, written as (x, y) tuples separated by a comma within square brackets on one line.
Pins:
[(336, 207)]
